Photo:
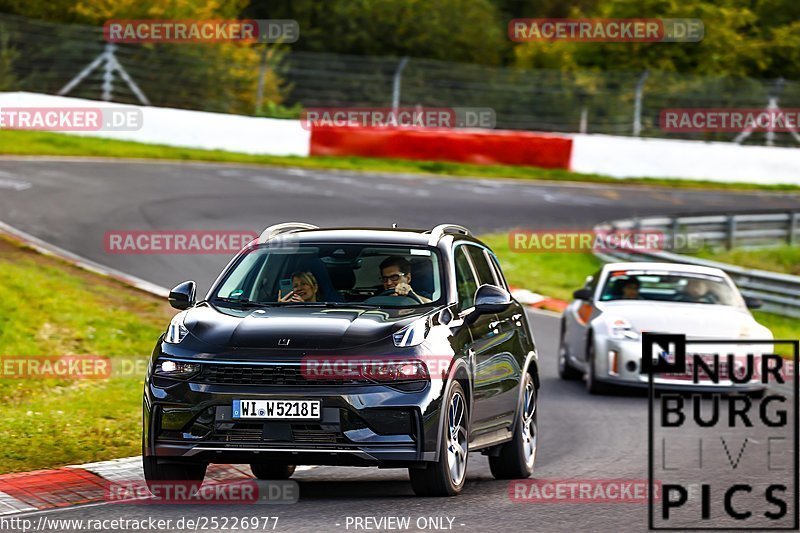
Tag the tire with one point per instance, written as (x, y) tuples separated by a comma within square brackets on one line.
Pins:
[(155, 472), (518, 456), (592, 385), (446, 476), (565, 370), (272, 470)]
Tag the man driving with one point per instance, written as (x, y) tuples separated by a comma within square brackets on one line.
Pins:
[(396, 275), (698, 291)]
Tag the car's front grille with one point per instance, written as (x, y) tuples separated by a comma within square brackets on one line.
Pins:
[(314, 436), (288, 374), (254, 432)]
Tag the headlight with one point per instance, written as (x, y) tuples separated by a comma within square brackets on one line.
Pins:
[(176, 330), (395, 370), (411, 335), (176, 368), (619, 328)]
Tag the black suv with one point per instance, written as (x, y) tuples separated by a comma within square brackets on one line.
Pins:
[(362, 347)]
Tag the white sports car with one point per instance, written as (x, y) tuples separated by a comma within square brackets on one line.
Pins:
[(601, 329)]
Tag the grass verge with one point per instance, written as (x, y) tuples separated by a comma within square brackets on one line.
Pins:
[(59, 144), (784, 259), (53, 309)]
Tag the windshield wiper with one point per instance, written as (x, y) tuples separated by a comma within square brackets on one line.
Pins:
[(243, 302), (325, 304)]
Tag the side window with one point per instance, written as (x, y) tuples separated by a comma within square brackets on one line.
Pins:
[(499, 273), (485, 274), (465, 280)]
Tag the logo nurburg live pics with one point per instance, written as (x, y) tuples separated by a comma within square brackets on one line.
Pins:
[(723, 435)]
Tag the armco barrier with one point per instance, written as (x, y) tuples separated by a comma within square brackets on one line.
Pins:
[(485, 147)]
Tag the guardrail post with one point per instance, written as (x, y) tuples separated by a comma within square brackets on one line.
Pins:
[(675, 227), (637, 104), (730, 236), (790, 233), (398, 74)]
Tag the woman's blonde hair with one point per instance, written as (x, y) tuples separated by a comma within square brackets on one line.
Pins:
[(308, 278)]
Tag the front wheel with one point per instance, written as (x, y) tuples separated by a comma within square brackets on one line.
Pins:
[(517, 457), (155, 471), (592, 384), (446, 476), (565, 370)]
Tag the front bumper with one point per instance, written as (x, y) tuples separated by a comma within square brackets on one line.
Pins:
[(361, 425), (621, 362)]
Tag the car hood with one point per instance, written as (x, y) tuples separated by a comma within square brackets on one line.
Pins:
[(305, 328), (693, 320)]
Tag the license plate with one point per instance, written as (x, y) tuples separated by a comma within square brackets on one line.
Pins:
[(277, 409)]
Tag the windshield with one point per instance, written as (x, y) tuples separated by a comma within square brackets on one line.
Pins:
[(684, 287), (334, 274)]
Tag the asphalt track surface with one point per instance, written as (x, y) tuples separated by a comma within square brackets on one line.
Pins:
[(72, 204)]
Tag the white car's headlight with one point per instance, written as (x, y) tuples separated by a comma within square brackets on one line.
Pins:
[(411, 335), (619, 328), (176, 330)]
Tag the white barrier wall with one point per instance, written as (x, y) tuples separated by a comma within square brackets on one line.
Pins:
[(188, 129), (619, 157), (628, 157)]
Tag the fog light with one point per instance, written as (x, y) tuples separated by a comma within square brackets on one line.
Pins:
[(630, 366), (613, 358)]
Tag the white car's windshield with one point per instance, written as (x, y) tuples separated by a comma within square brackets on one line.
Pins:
[(684, 287), (329, 273)]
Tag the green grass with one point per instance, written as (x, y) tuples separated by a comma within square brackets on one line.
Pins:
[(56, 144), (558, 274), (785, 259), (553, 274), (54, 309)]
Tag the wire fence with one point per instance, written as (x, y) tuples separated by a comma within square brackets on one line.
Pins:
[(273, 80)]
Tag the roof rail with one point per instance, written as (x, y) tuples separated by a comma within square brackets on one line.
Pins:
[(286, 227), (439, 231)]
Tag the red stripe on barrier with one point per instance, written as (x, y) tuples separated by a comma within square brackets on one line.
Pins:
[(481, 147)]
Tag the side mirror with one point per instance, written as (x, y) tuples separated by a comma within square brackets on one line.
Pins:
[(182, 296), (752, 302), (491, 299), (583, 294)]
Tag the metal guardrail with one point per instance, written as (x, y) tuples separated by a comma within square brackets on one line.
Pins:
[(779, 292)]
